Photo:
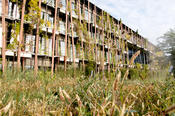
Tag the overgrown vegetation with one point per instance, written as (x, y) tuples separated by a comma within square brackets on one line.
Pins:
[(23, 94)]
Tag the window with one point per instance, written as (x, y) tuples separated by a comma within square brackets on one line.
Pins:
[(50, 47), (62, 27), (73, 8), (30, 43), (62, 48), (86, 14), (51, 20), (42, 15), (13, 10), (16, 13), (93, 18), (42, 46), (10, 9), (27, 42)]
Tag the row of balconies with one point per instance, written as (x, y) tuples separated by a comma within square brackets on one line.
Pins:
[(45, 48), (13, 13)]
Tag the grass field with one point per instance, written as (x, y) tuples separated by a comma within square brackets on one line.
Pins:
[(23, 94)]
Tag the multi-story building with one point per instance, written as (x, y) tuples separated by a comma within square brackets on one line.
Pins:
[(97, 36)]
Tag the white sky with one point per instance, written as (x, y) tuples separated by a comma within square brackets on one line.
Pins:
[(152, 18)]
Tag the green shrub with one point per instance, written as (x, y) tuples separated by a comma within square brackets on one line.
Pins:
[(134, 73), (90, 66), (138, 66), (143, 74), (123, 71), (138, 72)]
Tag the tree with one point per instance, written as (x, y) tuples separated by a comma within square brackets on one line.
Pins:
[(167, 45), (167, 42), (21, 34)]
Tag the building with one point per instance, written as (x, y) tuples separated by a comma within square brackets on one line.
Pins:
[(96, 35)]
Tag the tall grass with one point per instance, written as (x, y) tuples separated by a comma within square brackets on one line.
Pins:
[(24, 94)]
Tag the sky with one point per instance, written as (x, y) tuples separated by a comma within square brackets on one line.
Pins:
[(152, 18)]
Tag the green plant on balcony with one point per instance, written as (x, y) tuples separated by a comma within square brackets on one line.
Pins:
[(14, 36)]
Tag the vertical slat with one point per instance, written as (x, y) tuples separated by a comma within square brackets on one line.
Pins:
[(73, 48), (103, 46), (108, 44), (121, 29), (89, 38), (21, 34), (53, 38), (95, 37), (3, 36), (37, 44), (83, 66), (65, 57), (82, 44)]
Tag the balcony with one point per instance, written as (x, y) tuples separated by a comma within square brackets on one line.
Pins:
[(13, 11), (49, 2)]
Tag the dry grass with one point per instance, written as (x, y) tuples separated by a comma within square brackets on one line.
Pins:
[(22, 94)]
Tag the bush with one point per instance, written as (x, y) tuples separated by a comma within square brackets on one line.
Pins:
[(123, 71), (134, 73), (138, 72), (90, 66)]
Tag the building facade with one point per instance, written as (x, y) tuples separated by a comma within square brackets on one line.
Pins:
[(86, 33)]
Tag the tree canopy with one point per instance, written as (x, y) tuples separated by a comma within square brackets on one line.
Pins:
[(167, 42), (167, 45)]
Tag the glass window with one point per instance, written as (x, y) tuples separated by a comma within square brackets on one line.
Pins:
[(16, 13), (51, 20), (42, 15), (41, 46), (62, 27), (62, 48), (86, 14), (73, 8), (9, 9), (32, 44), (50, 47)]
